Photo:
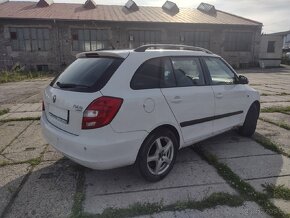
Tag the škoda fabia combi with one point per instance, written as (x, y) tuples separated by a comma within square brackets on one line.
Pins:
[(115, 108)]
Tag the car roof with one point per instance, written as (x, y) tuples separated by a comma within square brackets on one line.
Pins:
[(147, 53)]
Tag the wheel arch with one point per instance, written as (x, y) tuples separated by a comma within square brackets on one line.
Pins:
[(257, 103), (172, 128)]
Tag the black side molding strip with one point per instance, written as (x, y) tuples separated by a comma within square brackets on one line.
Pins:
[(207, 119)]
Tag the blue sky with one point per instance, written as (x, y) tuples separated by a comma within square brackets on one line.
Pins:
[(274, 14)]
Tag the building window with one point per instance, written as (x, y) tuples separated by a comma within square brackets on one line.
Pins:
[(238, 41), (42, 67), (29, 39), (89, 39), (142, 37), (199, 38), (271, 47)]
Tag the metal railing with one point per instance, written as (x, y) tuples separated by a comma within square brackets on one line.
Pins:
[(143, 48)]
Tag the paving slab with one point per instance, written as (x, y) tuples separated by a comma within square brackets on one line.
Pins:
[(248, 209), (192, 179), (15, 107), (5, 106), (32, 107), (256, 167), (26, 147), (37, 98), (20, 115), (253, 163), (10, 130), (275, 98), (235, 150), (48, 192), (282, 89), (276, 134), (276, 117), (267, 91), (15, 92), (52, 154), (11, 177), (282, 204), (275, 104), (4, 160)]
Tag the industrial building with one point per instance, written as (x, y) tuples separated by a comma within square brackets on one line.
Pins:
[(46, 36)]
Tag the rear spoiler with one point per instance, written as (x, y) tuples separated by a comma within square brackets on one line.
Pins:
[(95, 54)]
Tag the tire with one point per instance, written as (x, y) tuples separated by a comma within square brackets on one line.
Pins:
[(250, 124), (157, 155)]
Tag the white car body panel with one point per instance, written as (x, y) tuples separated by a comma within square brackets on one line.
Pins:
[(192, 103)]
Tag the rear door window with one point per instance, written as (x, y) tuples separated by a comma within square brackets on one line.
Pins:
[(87, 74), (188, 71)]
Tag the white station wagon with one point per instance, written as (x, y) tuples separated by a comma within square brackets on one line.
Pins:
[(110, 109)]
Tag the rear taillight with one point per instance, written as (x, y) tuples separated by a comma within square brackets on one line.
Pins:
[(101, 112), (43, 107)]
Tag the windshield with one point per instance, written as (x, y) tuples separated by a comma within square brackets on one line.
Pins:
[(87, 74)]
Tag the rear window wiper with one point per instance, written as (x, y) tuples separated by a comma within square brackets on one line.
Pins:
[(71, 85)]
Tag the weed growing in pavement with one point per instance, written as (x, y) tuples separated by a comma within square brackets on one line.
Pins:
[(79, 196), (267, 143), (246, 190), (20, 119), (139, 209), (280, 124), (4, 111), (279, 191), (34, 161), (275, 109)]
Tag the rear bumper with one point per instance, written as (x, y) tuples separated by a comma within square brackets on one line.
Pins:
[(99, 149)]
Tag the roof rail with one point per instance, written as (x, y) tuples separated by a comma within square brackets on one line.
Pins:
[(143, 48)]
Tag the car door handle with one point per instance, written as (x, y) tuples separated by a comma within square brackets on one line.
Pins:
[(176, 99), (219, 95)]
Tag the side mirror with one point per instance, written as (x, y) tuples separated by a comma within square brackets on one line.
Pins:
[(242, 80)]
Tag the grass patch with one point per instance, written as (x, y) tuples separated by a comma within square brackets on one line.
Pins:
[(34, 161), (275, 109), (280, 124), (138, 209), (283, 94), (4, 111), (20, 119), (15, 76), (79, 195), (4, 163), (267, 143), (279, 191), (246, 190)]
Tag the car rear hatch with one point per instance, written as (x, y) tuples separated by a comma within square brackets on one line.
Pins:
[(70, 93)]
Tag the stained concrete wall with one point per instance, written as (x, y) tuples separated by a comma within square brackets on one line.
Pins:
[(60, 55), (270, 59)]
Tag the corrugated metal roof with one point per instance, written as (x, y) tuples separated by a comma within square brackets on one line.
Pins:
[(64, 11)]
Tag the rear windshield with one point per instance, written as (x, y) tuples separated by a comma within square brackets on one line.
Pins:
[(87, 74)]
